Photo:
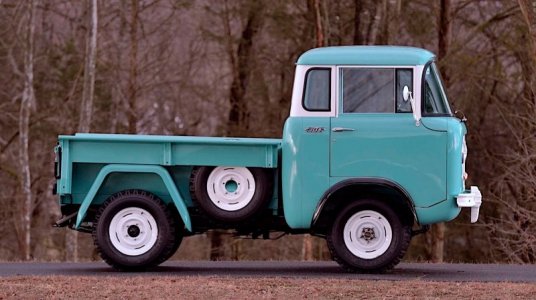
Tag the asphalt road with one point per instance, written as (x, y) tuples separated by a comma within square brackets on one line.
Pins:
[(405, 271)]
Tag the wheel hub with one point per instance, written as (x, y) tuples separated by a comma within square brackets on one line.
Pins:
[(133, 231), (231, 186), (368, 234)]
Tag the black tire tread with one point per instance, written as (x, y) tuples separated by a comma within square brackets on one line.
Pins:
[(261, 176), (351, 269), (170, 245), (404, 245)]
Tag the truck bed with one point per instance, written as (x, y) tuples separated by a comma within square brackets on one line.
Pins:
[(102, 149), (171, 150)]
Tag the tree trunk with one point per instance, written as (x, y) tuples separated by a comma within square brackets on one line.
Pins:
[(396, 20), (374, 15), (238, 120), (319, 26), (133, 72), (307, 247), (528, 9), (358, 9), (444, 33), (27, 104), (86, 110), (216, 249), (307, 252), (437, 232), (437, 242), (383, 31)]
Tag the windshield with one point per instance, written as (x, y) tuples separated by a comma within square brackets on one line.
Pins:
[(434, 97)]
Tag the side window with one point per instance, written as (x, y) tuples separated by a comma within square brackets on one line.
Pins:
[(368, 90), (404, 77), (316, 96), (434, 98)]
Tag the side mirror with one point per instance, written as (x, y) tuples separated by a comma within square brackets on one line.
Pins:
[(407, 95)]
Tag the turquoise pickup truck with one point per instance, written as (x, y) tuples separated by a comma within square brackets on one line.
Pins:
[(371, 154)]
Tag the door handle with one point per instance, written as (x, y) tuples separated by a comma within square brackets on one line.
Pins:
[(340, 129)]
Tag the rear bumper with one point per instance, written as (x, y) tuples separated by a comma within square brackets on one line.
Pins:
[(473, 199)]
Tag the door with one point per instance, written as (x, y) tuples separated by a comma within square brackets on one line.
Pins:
[(375, 135)]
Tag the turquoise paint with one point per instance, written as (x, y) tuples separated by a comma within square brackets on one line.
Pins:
[(170, 150), (160, 171), (305, 168), (116, 182), (457, 131), (64, 183), (150, 182), (440, 212), (366, 56), (391, 147), (231, 186), (425, 160), (386, 146), (181, 177)]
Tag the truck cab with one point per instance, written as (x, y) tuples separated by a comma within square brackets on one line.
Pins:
[(370, 152), (350, 123)]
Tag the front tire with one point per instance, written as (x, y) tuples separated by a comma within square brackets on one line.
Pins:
[(134, 230), (368, 236)]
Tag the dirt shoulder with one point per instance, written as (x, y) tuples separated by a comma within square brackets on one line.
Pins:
[(247, 288)]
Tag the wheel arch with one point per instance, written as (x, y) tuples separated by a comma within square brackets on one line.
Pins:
[(358, 188), (168, 182)]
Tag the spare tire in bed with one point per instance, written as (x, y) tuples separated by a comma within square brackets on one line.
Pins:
[(231, 194)]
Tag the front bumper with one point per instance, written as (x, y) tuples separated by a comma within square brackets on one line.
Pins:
[(471, 198)]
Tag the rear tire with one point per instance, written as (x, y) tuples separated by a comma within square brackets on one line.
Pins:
[(368, 236), (134, 230), (231, 194)]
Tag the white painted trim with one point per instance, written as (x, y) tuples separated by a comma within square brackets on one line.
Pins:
[(417, 89), (296, 108)]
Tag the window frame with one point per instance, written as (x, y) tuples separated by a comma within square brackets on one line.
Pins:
[(423, 92), (412, 88), (415, 88), (305, 79)]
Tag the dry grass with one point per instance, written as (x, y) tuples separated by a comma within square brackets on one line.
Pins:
[(89, 287)]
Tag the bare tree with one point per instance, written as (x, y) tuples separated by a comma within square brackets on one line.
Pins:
[(382, 37), (437, 233), (514, 188), (86, 110), (28, 103), (241, 62), (307, 252), (528, 10), (133, 71), (358, 23)]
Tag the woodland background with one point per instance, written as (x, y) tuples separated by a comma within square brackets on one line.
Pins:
[(213, 68)]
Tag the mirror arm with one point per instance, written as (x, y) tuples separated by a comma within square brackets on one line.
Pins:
[(413, 108)]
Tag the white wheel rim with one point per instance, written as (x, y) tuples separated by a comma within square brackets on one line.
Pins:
[(133, 231), (230, 188), (367, 234)]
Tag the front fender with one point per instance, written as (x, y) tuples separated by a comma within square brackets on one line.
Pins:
[(118, 168)]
